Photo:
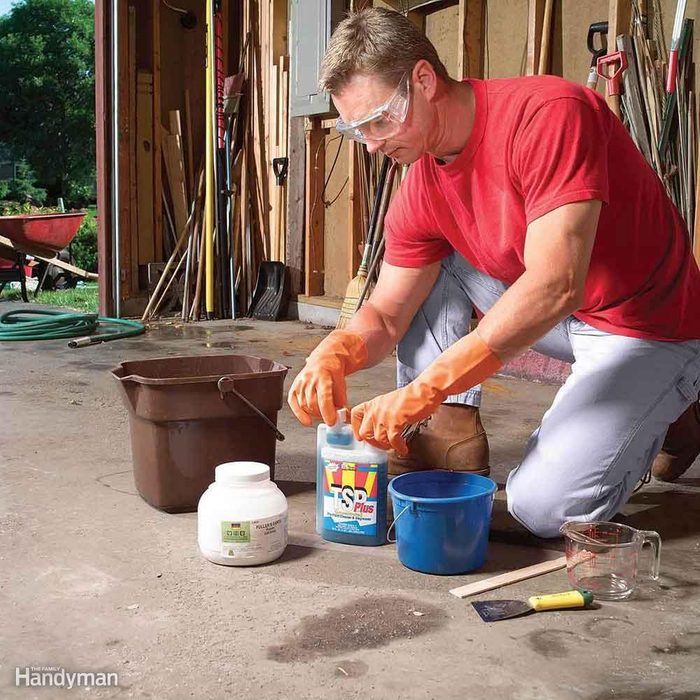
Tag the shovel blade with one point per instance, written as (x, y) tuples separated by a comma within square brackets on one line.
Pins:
[(495, 610)]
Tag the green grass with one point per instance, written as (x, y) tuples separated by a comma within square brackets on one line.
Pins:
[(81, 299)]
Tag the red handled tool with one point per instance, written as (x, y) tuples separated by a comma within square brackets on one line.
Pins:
[(612, 81), (675, 46)]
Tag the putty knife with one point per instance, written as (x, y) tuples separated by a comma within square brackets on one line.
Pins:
[(494, 610)]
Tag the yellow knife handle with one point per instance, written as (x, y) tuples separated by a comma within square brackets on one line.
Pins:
[(557, 601)]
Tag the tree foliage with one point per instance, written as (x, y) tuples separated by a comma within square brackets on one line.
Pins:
[(47, 87), (22, 189)]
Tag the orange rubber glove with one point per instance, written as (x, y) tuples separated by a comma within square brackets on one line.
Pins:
[(381, 421), (319, 389)]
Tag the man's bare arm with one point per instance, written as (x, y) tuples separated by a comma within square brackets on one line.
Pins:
[(383, 320), (557, 255)]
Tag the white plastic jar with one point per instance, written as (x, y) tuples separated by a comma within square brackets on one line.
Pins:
[(242, 516)]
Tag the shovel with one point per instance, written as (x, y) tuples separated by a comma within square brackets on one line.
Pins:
[(495, 610)]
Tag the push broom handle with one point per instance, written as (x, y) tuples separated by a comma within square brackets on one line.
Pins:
[(375, 213)]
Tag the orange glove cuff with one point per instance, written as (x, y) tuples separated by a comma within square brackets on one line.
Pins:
[(347, 347), (464, 365)]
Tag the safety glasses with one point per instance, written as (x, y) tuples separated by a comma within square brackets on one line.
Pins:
[(381, 123)]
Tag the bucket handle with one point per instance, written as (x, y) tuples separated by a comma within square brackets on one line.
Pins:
[(388, 538), (226, 386)]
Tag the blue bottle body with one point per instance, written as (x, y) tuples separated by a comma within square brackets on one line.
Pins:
[(351, 488)]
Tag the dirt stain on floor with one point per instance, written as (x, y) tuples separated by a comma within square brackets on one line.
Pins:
[(365, 623), (552, 644)]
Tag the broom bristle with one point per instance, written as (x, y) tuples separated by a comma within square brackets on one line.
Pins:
[(352, 294)]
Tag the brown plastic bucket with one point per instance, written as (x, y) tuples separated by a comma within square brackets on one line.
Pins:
[(188, 414)]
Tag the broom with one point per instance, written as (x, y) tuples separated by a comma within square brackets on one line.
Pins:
[(377, 252), (354, 288)]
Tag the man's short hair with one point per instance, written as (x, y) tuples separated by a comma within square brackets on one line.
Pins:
[(379, 42)]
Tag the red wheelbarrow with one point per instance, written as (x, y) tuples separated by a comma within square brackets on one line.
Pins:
[(42, 236)]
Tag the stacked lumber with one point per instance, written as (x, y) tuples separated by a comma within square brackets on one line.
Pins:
[(663, 125), (250, 148)]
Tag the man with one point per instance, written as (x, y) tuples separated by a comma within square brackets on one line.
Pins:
[(528, 200)]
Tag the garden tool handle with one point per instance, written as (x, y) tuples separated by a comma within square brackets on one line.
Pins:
[(597, 29), (675, 46), (592, 81), (559, 601), (672, 71), (612, 81), (653, 538), (279, 167), (226, 386)]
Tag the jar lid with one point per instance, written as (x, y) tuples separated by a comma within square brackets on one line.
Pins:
[(232, 473)]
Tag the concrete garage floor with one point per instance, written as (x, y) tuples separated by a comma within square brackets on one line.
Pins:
[(93, 579)]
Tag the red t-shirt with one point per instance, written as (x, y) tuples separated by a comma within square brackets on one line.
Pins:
[(538, 143)]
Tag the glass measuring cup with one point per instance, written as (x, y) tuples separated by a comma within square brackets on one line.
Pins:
[(603, 557)]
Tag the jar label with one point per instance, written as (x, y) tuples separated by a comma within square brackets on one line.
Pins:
[(350, 497), (252, 538)]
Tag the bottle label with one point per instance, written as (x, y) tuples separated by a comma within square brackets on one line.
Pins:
[(252, 538), (350, 497)]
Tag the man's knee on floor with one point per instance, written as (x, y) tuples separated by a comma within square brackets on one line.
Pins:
[(544, 507)]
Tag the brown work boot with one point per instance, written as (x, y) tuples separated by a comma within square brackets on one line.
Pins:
[(454, 438), (681, 446)]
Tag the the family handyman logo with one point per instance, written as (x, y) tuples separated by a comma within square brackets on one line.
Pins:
[(56, 677)]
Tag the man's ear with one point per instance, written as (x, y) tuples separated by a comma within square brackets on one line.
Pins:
[(425, 79)]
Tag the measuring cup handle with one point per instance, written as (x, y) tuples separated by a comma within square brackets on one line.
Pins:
[(653, 538)]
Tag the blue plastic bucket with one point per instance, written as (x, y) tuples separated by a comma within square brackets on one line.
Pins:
[(442, 520)]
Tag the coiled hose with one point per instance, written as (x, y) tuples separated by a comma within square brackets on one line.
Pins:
[(35, 324)]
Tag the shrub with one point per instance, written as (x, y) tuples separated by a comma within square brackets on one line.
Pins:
[(79, 196), (84, 245), (23, 189)]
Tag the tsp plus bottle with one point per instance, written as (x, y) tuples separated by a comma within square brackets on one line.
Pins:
[(351, 487)]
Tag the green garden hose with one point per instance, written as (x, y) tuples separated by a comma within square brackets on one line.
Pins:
[(35, 324)]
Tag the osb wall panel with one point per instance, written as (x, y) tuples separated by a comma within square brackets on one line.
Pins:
[(182, 63), (336, 225), (506, 38), (441, 29)]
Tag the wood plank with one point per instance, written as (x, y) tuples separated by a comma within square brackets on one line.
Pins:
[(78, 271), (133, 189), (176, 177), (296, 186), (315, 213), (277, 113), (472, 38), (145, 167), (256, 84), (190, 143), (545, 61), (157, 145), (103, 158), (284, 145), (354, 236), (535, 19), (272, 151), (123, 154), (506, 579), (619, 18), (696, 226)]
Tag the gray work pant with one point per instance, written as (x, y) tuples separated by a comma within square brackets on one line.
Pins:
[(607, 422)]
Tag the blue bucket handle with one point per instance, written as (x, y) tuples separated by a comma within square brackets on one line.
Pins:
[(388, 539)]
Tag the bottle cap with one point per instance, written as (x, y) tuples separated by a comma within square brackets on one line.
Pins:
[(341, 419), (235, 473)]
